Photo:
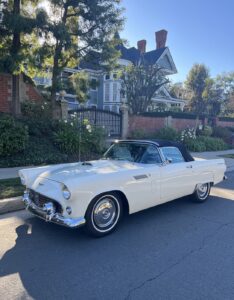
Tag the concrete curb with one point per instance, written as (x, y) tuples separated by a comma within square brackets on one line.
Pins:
[(11, 204)]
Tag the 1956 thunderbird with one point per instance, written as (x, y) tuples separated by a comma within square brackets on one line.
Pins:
[(131, 176)]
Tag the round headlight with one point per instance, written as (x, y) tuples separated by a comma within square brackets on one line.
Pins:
[(66, 193), (23, 181)]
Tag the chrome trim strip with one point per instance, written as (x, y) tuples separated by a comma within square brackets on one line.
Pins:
[(46, 215), (142, 176)]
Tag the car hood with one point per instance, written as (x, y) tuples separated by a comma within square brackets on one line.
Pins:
[(62, 173)]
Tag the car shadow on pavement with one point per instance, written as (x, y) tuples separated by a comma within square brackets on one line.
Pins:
[(56, 262)]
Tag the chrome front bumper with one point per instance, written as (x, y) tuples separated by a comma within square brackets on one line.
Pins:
[(48, 213)]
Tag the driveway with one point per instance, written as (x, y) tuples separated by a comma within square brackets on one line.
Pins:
[(179, 250)]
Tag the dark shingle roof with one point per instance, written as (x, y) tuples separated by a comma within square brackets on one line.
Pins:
[(132, 54)]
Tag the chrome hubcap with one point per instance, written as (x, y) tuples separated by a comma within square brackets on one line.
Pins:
[(202, 190), (104, 213)]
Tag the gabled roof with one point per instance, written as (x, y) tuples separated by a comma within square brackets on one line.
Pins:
[(151, 57)]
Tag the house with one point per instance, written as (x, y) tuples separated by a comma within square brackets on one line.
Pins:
[(106, 94)]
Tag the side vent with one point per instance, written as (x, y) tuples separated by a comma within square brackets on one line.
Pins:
[(139, 177)]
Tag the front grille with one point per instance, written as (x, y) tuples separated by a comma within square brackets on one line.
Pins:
[(40, 200)]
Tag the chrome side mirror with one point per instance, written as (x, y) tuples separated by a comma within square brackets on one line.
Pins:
[(169, 160)]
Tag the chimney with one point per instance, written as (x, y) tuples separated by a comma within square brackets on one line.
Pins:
[(141, 46), (161, 38)]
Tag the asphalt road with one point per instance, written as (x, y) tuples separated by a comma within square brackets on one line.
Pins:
[(179, 250)]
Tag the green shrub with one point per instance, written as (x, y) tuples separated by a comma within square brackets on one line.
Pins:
[(195, 145), (36, 110), (73, 139), (13, 136), (167, 133), (202, 143), (222, 132), (214, 144), (206, 131), (139, 134), (38, 151)]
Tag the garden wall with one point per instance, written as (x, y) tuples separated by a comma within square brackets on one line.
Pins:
[(151, 124), (27, 92)]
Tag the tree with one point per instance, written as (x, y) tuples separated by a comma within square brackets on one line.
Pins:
[(213, 98), (196, 85), (225, 82), (140, 82), (78, 29), (17, 24)]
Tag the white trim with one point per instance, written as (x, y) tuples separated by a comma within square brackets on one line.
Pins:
[(168, 53)]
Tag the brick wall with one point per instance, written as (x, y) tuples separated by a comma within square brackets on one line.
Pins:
[(27, 92), (181, 124), (5, 92), (225, 123), (145, 123), (152, 124)]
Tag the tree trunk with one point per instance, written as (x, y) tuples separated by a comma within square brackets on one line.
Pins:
[(55, 74), (56, 71), (16, 111)]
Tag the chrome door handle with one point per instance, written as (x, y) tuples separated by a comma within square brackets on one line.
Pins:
[(189, 167)]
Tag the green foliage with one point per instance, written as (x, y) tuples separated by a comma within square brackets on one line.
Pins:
[(66, 138), (222, 132), (195, 145), (80, 85), (17, 30), (139, 134), (205, 143), (206, 131), (196, 85), (167, 133), (13, 136), (41, 110), (38, 151), (11, 188), (79, 139), (83, 29)]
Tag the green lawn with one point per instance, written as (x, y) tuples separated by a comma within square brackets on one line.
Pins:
[(11, 188), (228, 156)]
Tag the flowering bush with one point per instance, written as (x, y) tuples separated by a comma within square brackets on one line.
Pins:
[(79, 138), (188, 134)]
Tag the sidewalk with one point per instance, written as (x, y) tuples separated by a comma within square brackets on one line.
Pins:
[(6, 173), (216, 154)]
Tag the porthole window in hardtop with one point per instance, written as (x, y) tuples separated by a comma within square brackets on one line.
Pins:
[(173, 154)]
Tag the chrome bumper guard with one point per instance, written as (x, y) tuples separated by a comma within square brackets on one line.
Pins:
[(48, 213)]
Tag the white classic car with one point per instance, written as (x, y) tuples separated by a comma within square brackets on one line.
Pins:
[(131, 176)]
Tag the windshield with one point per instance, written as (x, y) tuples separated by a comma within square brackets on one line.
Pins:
[(134, 152)]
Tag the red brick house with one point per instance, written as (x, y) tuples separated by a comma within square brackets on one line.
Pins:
[(28, 92)]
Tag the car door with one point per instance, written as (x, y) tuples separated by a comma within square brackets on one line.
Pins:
[(176, 178)]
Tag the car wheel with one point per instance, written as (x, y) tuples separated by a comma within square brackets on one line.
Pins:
[(202, 192), (103, 214)]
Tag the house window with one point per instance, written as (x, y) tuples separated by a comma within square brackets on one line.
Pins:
[(114, 108), (107, 92), (107, 107), (107, 76), (93, 84), (115, 92), (115, 76)]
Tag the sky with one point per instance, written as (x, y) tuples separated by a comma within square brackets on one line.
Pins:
[(198, 31)]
